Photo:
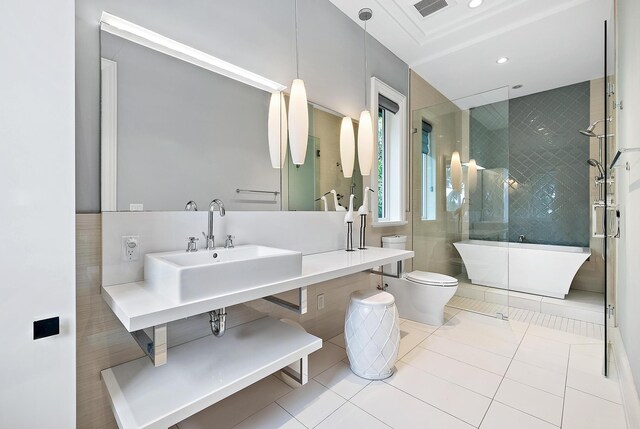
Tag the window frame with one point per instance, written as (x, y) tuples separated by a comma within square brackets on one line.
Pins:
[(396, 159)]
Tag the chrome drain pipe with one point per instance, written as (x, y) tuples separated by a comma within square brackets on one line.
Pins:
[(218, 321)]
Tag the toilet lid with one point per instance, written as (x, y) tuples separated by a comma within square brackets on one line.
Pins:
[(432, 279)]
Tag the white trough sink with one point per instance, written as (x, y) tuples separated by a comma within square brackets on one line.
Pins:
[(189, 276)]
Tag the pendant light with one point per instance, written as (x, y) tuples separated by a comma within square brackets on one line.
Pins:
[(347, 147), (277, 130), (456, 172), (365, 127), (298, 110)]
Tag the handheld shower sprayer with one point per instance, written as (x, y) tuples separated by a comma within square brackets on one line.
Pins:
[(594, 163)]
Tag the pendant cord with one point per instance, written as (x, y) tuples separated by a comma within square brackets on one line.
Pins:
[(295, 8), (365, 65)]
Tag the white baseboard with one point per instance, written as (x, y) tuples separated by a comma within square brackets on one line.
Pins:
[(630, 397)]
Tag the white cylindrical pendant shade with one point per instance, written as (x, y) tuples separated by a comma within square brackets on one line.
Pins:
[(298, 122), (456, 172), (473, 175), (277, 130), (365, 143), (347, 147)]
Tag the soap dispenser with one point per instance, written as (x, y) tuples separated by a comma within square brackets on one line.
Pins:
[(362, 211), (348, 219)]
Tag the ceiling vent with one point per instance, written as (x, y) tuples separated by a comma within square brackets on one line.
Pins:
[(427, 7)]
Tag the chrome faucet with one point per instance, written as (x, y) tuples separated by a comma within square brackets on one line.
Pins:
[(228, 244), (209, 236), (521, 238)]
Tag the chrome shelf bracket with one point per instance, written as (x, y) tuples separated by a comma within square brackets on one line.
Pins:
[(395, 276), (300, 307), (155, 347), (301, 376)]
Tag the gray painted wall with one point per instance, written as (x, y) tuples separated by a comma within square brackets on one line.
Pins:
[(257, 35)]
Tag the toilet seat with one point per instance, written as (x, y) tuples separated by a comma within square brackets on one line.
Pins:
[(431, 279)]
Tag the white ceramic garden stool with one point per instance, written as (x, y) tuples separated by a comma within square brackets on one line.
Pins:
[(372, 334)]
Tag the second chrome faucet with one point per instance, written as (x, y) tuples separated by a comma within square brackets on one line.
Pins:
[(209, 237)]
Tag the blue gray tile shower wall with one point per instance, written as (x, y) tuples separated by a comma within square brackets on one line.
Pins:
[(531, 143)]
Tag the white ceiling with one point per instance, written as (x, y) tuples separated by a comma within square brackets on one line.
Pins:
[(549, 43)]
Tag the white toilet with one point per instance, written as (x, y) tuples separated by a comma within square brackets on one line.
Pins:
[(420, 296)]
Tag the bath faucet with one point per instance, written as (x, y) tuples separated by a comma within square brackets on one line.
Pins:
[(209, 236), (521, 238)]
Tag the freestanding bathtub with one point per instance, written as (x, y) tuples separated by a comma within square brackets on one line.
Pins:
[(533, 268)]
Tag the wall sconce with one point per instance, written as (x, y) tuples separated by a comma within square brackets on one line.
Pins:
[(472, 172), (456, 172), (277, 130), (347, 147)]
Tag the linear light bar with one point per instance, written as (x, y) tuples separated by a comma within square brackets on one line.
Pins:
[(145, 37)]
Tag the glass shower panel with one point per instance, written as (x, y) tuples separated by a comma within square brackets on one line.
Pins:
[(461, 198)]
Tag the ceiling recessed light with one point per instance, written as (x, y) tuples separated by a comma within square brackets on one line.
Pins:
[(502, 60), (475, 3)]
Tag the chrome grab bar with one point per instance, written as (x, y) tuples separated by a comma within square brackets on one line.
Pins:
[(252, 191)]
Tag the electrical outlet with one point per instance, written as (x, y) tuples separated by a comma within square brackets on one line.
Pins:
[(136, 207), (321, 301), (130, 248)]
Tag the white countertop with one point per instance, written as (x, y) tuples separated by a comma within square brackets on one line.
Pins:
[(138, 307)]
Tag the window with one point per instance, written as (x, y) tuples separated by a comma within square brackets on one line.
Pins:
[(428, 173), (389, 176)]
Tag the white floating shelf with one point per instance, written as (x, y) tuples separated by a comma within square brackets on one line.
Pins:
[(202, 372), (138, 307)]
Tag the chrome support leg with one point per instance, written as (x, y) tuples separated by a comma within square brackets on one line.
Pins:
[(395, 276), (300, 307), (155, 347), (301, 376)]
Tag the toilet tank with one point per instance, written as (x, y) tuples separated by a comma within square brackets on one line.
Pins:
[(393, 242)]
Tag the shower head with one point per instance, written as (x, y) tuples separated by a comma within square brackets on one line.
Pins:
[(589, 131), (594, 163)]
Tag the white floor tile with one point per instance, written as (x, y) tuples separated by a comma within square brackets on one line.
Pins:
[(532, 401), (338, 340), (565, 337), (473, 378), (543, 359), (271, 417), (549, 381), (585, 374), (473, 356), (410, 337), (584, 411), (311, 403), (501, 416), (342, 380), (444, 395), (326, 357), (545, 344), (349, 416), (419, 326), (401, 410), (238, 406)]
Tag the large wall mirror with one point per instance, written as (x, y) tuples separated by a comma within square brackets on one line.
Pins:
[(174, 131)]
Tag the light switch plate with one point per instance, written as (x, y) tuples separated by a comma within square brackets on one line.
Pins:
[(321, 301)]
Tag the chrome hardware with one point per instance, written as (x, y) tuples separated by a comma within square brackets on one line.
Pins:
[(192, 244), (611, 310), (191, 206), (209, 236), (253, 191), (155, 347), (522, 238), (228, 244), (398, 274), (218, 321), (302, 375), (300, 308)]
